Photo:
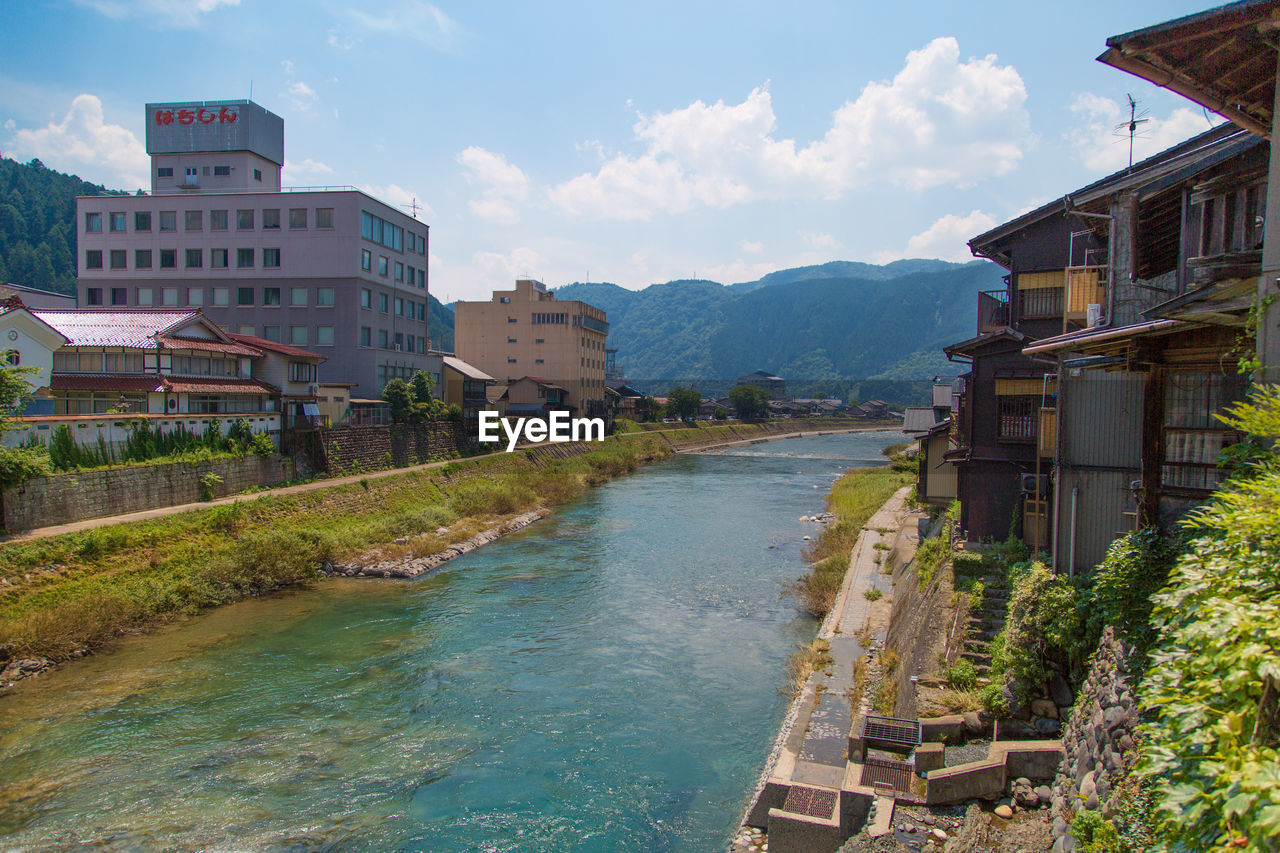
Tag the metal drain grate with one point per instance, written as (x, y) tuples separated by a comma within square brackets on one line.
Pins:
[(884, 771), (814, 802), (891, 730)]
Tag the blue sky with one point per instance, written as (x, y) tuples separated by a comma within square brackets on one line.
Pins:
[(632, 143)]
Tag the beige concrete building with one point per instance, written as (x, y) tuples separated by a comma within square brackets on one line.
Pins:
[(329, 269), (528, 332)]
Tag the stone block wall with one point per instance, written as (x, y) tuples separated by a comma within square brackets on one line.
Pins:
[(64, 498), (1099, 740), (372, 448)]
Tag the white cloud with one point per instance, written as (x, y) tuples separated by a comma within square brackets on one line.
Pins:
[(302, 96), (305, 170), (180, 14), (819, 240), (416, 19), (1104, 145), (498, 271), (751, 247), (85, 144), (502, 185), (939, 121), (397, 196), (341, 41), (948, 238)]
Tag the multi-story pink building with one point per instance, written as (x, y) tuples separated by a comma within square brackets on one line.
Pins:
[(329, 269)]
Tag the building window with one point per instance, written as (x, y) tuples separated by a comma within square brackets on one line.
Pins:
[(164, 172), (366, 298), (169, 297), (271, 218), (324, 336), (422, 279), (511, 361), (399, 271), (366, 336), (193, 177), (195, 296), (93, 259), (382, 338), (382, 265), (324, 217), (168, 258), (298, 297), (504, 299), (119, 296), (382, 302), (168, 220), (144, 297), (93, 222), (93, 296), (1017, 417), (117, 222), (511, 319), (244, 295), (271, 333), (195, 258), (221, 171), (399, 307), (244, 220), (193, 220), (301, 371), (1193, 436), (399, 341), (366, 260), (538, 361), (217, 220), (270, 296), (511, 340), (257, 174), (119, 259), (271, 258), (324, 296), (221, 297), (142, 259), (244, 329), (409, 343), (297, 217), (244, 258), (142, 221), (218, 259), (298, 336)]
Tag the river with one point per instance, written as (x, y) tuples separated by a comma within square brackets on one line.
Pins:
[(605, 679)]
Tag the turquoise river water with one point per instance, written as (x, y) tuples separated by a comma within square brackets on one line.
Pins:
[(606, 679)]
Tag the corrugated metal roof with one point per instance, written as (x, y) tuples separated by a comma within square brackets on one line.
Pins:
[(920, 419), (275, 346), (467, 370)]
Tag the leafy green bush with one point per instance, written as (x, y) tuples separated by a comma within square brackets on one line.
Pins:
[(1212, 749), (872, 594), (1093, 833), (1135, 567), (209, 483), (966, 564), (962, 675), (23, 463), (1042, 628)]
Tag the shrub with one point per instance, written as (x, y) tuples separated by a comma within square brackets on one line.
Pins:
[(872, 594), (261, 445), (966, 564), (209, 483), (23, 463), (1042, 628), (962, 675)]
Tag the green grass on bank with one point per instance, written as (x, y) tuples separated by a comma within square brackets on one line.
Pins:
[(72, 593), (854, 498)]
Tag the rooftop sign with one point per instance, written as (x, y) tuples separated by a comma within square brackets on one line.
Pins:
[(197, 127)]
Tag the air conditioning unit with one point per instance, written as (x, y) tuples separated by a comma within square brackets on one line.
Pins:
[(397, 347), (313, 388), (1093, 314), (1035, 484)]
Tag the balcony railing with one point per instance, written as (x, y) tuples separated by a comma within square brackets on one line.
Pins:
[(993, 310), (1040, 304)]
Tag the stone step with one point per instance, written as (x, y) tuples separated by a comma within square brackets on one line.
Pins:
[(977, 658)]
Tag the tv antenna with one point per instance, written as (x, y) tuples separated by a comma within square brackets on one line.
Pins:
[(1131, 128), (414, 207)]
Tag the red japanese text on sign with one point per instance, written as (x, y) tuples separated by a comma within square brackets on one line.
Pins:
[(224, 115)]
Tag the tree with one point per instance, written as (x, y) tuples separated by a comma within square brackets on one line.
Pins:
[(749, 401), (683, 403), (397, 393), (413, 401)]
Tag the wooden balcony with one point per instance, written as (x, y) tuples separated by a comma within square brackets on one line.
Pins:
[(993, 310)]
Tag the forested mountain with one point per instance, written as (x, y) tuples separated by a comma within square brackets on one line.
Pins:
[(809, 325), (37, 225)]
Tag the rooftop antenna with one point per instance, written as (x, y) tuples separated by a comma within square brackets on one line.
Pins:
[(414, 206), (1136, 117)]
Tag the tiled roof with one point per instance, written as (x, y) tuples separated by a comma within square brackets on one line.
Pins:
[(206, 345), (275, 346), (100, 382), (193, 385), (134, 329)]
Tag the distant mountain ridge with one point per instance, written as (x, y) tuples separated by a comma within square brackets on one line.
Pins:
[(838, 321)]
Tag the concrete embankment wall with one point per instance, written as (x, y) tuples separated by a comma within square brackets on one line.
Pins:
[(920, 619), (63, 498)]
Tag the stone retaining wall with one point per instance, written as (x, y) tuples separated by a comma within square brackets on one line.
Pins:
[(348, 449), (1099, 740), (64, 498)]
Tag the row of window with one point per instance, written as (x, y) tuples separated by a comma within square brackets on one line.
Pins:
[(403, 307), (194, 220), (297, 336), (387, 372), (193, 259), (375, 229), (394, 341), (416, 277), (299, 297)]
